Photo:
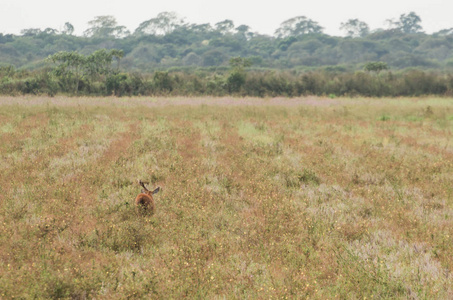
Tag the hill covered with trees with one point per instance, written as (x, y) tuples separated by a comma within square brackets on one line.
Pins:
[(166, 41), (166, 55)]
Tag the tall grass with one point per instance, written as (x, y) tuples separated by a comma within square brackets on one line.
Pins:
[(327, 199)]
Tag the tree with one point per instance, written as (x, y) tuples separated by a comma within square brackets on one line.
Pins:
[(201, 28), (298, 26), (244, 31), (355, 28), (73, 67), (225, 27), (407, 23), (410, 23), (239, 63), (444, 32), (68, 29), (286, 42), (118, 55), (162, 82), (50, 31), (105, 27), (69, 69), (37, 31), (30, 31), (375, 66), (100, 62), (163, 24), (7, 38), (237, 76)]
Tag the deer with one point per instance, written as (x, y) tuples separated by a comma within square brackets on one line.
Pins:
[(144, 201)]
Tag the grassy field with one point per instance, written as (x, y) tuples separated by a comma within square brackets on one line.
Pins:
[(278, 198)]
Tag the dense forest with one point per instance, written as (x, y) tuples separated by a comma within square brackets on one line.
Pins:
[(166, 55)]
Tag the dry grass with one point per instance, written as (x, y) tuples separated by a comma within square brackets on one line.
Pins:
[(276, 198)]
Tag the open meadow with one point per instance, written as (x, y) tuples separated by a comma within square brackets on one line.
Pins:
[(261, 198)]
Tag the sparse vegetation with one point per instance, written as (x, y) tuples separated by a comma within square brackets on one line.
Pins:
[(281, 198)]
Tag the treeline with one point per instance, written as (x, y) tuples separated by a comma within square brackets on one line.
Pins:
[(103, 78), (167, 42)]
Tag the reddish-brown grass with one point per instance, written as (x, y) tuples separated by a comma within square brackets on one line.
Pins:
[(274, 198)]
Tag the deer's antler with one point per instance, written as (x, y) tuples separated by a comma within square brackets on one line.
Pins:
[(142, 183)]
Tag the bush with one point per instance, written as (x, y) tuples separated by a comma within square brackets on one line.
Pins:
[(162, 82), (237, 81)]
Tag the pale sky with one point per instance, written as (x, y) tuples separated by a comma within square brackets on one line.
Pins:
[(262, 16)]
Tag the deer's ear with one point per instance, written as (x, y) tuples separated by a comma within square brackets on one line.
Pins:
[(156, 190), (143, 191)]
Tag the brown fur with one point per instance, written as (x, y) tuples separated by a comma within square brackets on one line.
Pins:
[(144, 201)]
